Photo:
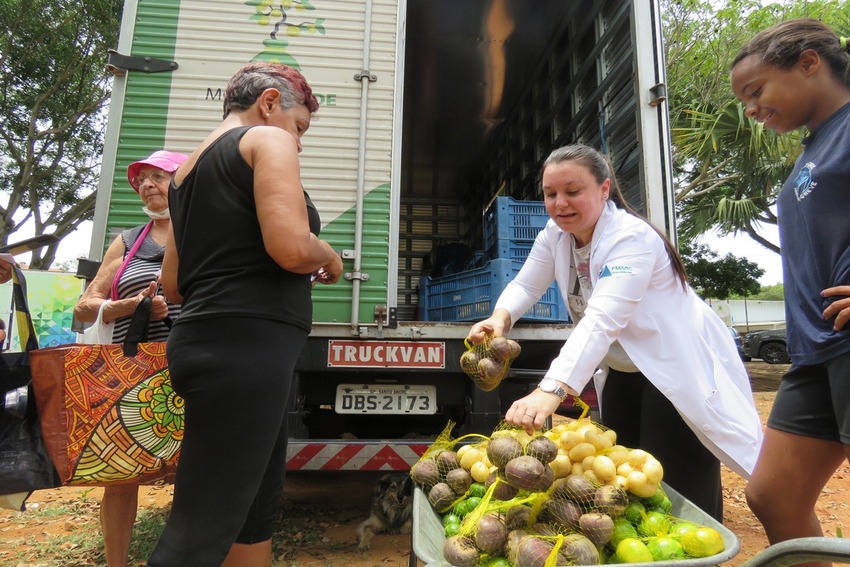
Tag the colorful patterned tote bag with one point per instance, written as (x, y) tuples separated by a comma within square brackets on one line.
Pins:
[(108, 412)]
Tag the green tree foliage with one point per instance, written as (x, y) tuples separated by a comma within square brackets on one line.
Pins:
[(719, 278), (729, 169), (774, 292), (53, 88)]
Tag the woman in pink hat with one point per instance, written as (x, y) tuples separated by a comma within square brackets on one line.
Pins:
[(128, 273)]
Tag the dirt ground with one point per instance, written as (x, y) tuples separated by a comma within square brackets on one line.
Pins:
[(325, 510)]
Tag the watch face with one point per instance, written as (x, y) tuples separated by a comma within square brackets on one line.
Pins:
[(548, 385)]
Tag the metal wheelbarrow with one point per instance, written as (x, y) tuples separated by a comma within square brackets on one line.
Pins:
[(802, 550)]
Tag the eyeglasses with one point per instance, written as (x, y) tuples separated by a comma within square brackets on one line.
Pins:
[(156, 177)]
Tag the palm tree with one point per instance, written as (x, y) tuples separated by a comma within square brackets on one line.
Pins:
[(732, 169)]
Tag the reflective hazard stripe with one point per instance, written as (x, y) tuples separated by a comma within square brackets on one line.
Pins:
[(353, 456)]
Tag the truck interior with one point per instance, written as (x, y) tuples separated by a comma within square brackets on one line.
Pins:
[(490, 88)]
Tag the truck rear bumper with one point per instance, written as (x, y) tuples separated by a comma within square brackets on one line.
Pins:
[(335, 455)]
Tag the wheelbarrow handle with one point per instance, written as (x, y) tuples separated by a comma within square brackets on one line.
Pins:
[(802, 550)]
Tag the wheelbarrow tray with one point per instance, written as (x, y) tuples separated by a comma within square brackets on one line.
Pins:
[(802, 550), (428, 534)]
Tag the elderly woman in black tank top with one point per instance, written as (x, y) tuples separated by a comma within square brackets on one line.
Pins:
[(243, 248), (128, 273)]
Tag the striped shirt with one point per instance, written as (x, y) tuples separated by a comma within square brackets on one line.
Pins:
[(137, 276)]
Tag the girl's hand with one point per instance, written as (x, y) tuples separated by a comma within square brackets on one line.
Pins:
[(531, 412), (838, 309)]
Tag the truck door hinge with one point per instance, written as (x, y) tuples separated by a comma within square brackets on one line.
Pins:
[(362, 276), (365, 74), (119, 64), (385, 317), (659, 94)]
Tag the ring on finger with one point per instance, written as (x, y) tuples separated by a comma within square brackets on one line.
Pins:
[(531, 415)]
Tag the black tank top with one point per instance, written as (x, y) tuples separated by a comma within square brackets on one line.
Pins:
[(224, 269)]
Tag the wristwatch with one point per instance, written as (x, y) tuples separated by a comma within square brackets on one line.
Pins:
[(552, 386)]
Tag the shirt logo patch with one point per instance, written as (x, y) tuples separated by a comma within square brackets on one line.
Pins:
[(607, 271), (804, 185)]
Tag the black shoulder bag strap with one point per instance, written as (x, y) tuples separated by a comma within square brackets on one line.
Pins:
[(138, 330)]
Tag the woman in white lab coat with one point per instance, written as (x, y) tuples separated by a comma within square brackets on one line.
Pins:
[(667, 372)]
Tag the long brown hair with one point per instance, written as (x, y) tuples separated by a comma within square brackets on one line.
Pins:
[(600, 167), (781, 45)]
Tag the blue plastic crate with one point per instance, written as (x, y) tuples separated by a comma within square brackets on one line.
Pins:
[(510, 250), (509, 219), (470, 295)]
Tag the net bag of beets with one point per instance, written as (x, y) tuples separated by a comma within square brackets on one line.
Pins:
[(439, 472), (488, 363)]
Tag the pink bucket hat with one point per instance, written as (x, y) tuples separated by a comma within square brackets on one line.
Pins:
[(164, 160)]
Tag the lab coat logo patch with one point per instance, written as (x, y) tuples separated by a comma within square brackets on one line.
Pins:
[(607, 271), (804, 185)]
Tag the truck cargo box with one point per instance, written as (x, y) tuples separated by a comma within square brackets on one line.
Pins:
[(431, 111)]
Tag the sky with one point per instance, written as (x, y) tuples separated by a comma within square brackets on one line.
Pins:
[(745, 247)]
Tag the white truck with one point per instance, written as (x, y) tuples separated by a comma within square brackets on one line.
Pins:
[(429, 111)]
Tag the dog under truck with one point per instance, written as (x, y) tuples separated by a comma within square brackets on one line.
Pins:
[(433, 114)]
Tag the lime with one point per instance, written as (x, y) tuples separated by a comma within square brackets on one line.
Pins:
[(496, 562), (477, 489), (633, 550), (656, 499), (461, 508), (451, 518), (622, 529), (635, 512), (654, 524), (678, 529), (452, 529), (472, 503), (663, 506), (702, 542), (665, 548)]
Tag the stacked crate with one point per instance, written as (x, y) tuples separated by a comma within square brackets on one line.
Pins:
[(510, 227)]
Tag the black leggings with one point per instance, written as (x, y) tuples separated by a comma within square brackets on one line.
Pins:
[(644, 419), (234, 375)]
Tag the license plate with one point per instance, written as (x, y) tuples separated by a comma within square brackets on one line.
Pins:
[(386, 399)]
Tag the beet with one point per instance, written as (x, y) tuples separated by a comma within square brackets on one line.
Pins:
[(532, 552), (563, 512), (459, 480), (441, 496), (460, 551), (518, 517), (501, 449), (525, 472), (425, 473), (504, 491), (579, 550), (546, 480), (542, 448), (577, 488), (447, 461), (611, 500), (597, 527), (492, 535), (490, 373), (499, 349), (515, 349)]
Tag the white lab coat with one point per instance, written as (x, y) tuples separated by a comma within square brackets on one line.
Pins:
[(671, 335)]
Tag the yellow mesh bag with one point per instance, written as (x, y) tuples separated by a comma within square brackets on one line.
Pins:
[(439, 471), (488, 363)]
